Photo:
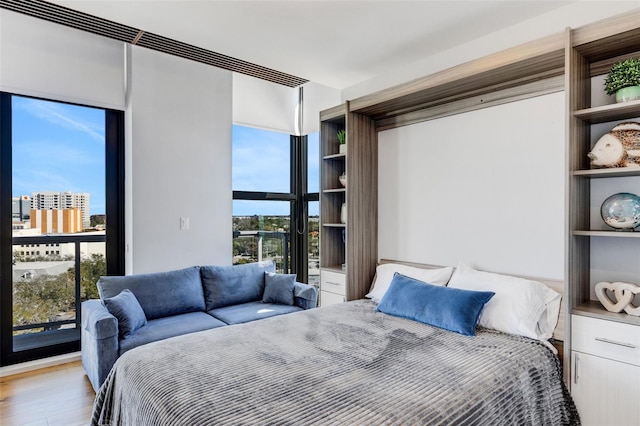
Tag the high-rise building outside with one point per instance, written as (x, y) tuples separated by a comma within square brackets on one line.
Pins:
[(20, 208), (57, 221), (48, 200)]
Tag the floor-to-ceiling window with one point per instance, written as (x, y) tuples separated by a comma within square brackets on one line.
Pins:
[(271, 200), (61, 223)]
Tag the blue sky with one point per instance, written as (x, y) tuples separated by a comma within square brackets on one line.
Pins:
[(58, 147), (261, 163)]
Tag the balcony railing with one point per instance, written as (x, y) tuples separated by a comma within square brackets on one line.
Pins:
[(262, 245), (53, 273)]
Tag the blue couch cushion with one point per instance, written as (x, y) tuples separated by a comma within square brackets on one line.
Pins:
[(125, 307), (163, 328), (246, 312), (449, 308), (160, 294), (278, 288), (232, 285)]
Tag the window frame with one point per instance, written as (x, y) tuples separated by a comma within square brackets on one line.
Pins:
[(298, 197), (115, 241)]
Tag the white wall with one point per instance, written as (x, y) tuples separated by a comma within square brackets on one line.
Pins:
[(573, 15), (317, 97), (486, 187), (181, 153)]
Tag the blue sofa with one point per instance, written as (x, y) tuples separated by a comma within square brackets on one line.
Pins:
[(179, 302)]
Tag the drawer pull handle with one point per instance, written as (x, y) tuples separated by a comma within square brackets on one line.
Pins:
[(613, 342), (332, 283)]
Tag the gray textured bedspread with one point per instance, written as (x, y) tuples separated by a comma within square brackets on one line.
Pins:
[(343, 365)]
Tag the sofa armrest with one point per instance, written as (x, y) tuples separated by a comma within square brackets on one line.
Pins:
[(97, 320), (306, 296), (100, 345)]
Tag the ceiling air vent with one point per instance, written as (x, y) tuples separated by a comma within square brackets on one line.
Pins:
[(106, 28)]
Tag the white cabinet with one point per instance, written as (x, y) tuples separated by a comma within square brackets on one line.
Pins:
[(332, 288), (605, 375), (327, 298)]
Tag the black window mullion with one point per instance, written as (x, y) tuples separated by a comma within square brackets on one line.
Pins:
[(6, 268), (299, 219), (114, 191), (313, 196), (263, 196)]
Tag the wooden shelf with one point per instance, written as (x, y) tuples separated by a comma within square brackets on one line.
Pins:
[(335, 157), (334, 268), (594, 309), (334, 225), (334, 190), (608, 173), (615, 234), (605, 113)]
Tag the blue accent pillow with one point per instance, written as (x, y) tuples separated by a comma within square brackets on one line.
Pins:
[(278, 288), (128, 312), (450, 308)]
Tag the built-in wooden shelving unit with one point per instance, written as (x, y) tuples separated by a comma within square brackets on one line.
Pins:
[(564, 61), (342, 243), (597, 340), (588, 49)]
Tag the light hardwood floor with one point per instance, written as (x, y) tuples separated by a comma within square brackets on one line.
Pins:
[(60, 395)]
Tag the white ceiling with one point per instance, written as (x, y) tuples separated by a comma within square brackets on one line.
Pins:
[(335, 43)]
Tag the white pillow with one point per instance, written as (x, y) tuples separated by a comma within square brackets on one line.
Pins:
[(520, 306), (384, 275)]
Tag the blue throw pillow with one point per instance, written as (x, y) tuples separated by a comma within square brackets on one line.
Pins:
[(449, 308), (128, 312), (278, 288)]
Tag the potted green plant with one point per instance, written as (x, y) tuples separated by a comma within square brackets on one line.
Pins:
[(624, 80), (342, 140)]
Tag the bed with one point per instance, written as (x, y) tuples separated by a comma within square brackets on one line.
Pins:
[(344, 364)]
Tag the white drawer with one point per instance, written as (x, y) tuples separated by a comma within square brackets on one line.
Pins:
[(333, 282), (607, 339), (328, 298)]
